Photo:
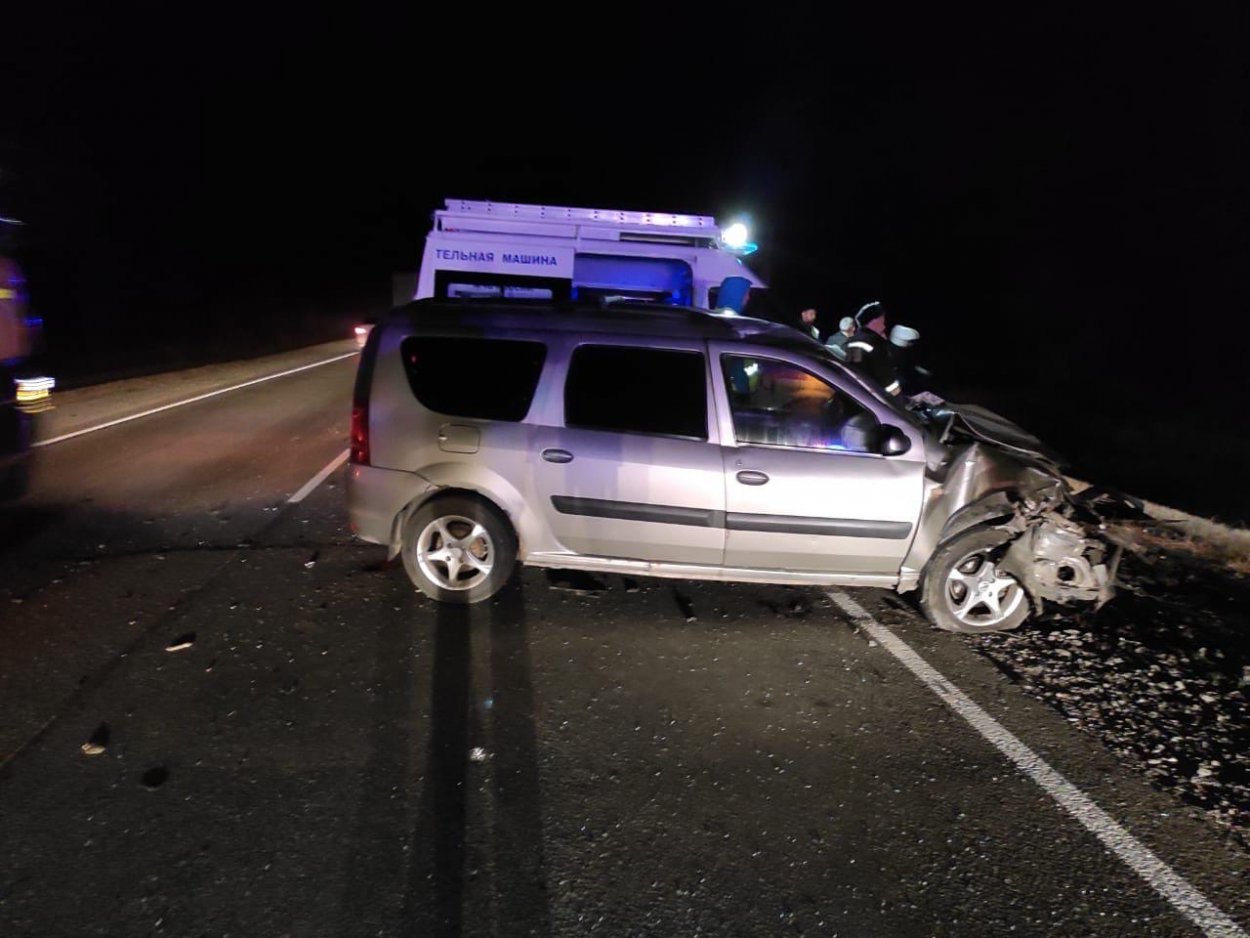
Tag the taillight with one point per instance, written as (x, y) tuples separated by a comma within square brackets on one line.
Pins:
[(360, 435), (360, 400)]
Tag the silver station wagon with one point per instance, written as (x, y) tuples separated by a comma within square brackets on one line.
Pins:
[(675, 442)]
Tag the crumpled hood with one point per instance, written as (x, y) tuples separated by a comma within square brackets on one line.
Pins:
[(971, 421)]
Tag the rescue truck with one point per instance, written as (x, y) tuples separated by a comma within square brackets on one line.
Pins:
[(580, 255)]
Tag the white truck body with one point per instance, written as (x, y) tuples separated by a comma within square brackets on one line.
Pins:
[(552, 252)]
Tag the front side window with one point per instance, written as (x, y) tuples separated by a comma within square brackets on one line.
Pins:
[(778, 404), (491, 379), (637, 390)]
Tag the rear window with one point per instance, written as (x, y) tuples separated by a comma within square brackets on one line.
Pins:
[(637, 390), (492, 379)]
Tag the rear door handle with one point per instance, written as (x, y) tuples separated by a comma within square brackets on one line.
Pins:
[(752, 477), (557, 455)]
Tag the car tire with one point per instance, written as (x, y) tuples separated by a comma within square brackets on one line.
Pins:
[(965, 588), (458, 549)]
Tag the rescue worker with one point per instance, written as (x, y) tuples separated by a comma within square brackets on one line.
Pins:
[(870, 351), (872, 316), (903, 346), (808, 316), (836, 343)]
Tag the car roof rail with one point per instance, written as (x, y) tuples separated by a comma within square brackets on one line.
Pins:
[(617, 313)]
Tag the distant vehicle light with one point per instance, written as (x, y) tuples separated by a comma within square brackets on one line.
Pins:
[(34, 389), (34, 394), (362, 334), (735, 236)]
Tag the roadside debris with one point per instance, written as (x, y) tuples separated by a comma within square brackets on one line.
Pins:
[(1160, 676), (312, 561), (97, 742), (182, 642)]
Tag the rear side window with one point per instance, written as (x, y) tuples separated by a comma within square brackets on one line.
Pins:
[(492, 379), (637, 390)]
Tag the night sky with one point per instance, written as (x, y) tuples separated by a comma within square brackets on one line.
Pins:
[(1057, 199)]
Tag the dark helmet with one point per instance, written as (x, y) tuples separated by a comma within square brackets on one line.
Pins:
[(868, 312)]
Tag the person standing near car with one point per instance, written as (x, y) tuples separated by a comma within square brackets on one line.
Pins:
[(903, 347), (870, 350), (808, 316), (836, 343), (871, 317)]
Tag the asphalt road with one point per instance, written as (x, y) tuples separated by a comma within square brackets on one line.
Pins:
[(333, 754)]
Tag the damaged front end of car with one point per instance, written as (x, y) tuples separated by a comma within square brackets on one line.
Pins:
[(1059, 551), (999, 491)]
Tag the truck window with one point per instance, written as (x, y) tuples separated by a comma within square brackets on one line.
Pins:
[(659, 279), (466, 284)]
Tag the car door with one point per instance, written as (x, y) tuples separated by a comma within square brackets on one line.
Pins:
[(806, 486), (635, 470)]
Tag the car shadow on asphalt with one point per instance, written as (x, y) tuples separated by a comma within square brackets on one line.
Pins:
[(449, 865), (520, 870), (434, 895)]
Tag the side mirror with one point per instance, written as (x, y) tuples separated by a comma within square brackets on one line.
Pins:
[(894, 442)]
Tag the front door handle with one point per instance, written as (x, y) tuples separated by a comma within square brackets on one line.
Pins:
[(557, 455), (752, 477)]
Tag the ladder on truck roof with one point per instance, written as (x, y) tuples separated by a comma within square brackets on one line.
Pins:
[(564, 221)]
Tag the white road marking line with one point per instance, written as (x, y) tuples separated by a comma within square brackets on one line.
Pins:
[(191, 400), (316, 480), (1161, 877)]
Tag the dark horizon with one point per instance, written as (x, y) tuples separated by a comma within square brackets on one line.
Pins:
[(1056, 200)]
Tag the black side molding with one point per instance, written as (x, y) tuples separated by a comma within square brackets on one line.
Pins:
[(833, 527), (638, 511), (733, 521)]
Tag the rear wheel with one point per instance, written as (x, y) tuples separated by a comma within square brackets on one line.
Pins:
[(458, 549), (966, 588)]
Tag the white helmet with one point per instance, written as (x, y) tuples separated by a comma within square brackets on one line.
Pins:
[(903, 336)]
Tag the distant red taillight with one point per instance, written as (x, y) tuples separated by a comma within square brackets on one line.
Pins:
[(360, 435)]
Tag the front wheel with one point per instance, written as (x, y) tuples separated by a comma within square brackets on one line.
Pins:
[(458, 549), (966, 588)]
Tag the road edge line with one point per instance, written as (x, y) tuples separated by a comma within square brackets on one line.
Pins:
[(190, 400), (307, 488), (1137, 856)]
